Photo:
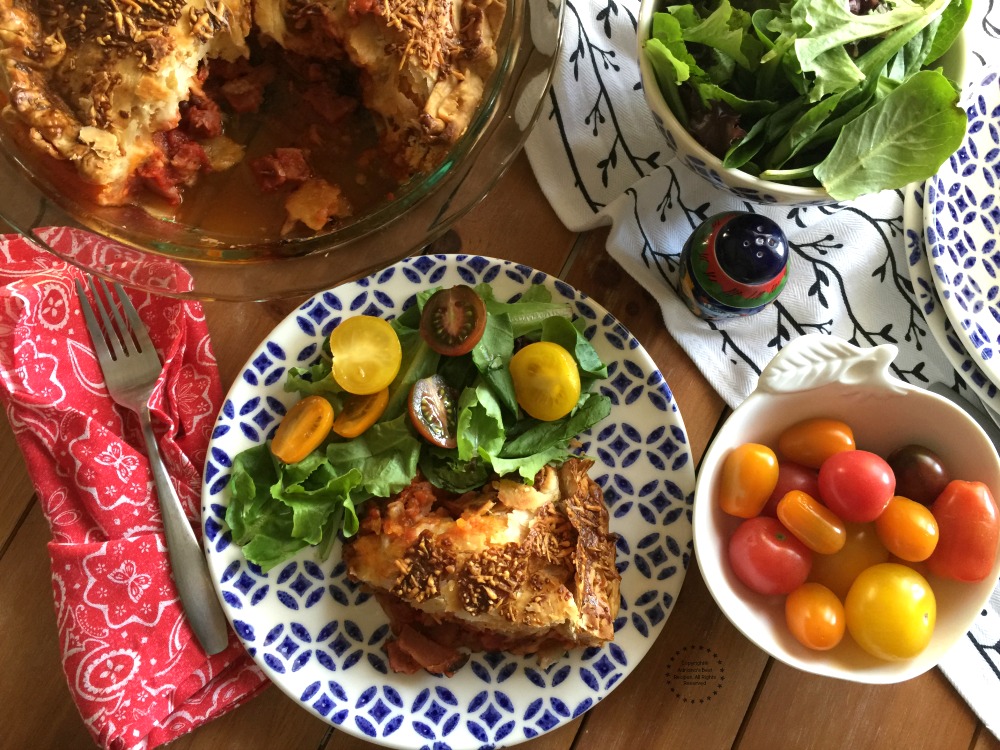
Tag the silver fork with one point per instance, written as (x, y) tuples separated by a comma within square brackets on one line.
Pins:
[(131, 366)]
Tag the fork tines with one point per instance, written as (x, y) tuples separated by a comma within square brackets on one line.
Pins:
[(123, 338)]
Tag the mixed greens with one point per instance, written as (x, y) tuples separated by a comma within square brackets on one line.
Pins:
[(276, 509), (809, 92)]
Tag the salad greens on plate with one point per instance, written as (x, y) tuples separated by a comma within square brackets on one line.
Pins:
[(277, 508), (846, 94)]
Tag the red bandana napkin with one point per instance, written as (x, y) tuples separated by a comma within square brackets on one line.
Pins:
[(134, 667)]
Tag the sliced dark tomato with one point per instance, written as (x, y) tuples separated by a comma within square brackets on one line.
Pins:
[(453, 320), (433, 410)]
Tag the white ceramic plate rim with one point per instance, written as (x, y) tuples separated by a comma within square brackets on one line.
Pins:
[(925, 292), (942, 262)]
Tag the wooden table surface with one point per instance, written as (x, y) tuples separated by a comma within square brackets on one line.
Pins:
[(742, 699)]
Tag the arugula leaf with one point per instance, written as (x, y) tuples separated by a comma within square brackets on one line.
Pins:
[(492, 354), (538, 436), (386, 455), (480, 430)]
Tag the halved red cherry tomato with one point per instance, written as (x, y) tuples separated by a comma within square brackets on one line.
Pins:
[(920, 474), (453, 320), (303, 428), (969, 528), (359, 413), (813, 524), (815, 616), (812, 441), (856, 485), (907, 529), (749, 473), (767, 558), (433, 410)]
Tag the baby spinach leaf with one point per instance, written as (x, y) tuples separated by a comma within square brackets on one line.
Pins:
[(903, 138)]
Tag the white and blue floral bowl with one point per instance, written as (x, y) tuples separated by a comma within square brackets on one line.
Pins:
[(699, 159), (702, 162)]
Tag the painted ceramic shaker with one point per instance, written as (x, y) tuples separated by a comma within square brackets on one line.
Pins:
[(734, 264)]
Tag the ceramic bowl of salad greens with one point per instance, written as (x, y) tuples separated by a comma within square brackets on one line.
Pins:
[(807, 102)]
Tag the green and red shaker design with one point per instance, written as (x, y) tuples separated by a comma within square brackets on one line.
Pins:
[(734, 264)]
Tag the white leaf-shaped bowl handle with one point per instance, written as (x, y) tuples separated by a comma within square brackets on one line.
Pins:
[(815, 360)]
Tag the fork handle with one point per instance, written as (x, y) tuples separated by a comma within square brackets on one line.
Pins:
[(187, 561)]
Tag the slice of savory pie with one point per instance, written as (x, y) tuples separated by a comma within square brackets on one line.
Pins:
[(528, 569), (101, 83)]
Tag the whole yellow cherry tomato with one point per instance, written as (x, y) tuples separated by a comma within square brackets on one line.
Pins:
[(862, 549), (749, 475), (812, 441), (815, 616), (815, 525), (546, 380), (366, 354), (891, 611), (907, 529), (303, 428)]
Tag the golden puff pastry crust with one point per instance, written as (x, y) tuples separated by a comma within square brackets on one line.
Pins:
[(94, 81), (526, 569)]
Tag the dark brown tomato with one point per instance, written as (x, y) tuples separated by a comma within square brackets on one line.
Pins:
[(453, 320), (433, 410), (920, 474)]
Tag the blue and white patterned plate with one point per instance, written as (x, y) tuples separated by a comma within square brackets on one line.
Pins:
[(319, 637), (962, 226), (930, 304)]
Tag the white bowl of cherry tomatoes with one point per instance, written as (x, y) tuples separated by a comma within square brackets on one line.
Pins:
[(846, 522)]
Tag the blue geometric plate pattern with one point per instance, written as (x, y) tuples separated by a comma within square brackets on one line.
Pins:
[(926, 294), (962, 227), (320, 638)]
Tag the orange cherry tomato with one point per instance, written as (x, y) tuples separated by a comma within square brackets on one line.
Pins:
[(862, 549), (907, 529), (812, 441), (302, 429), (815, 616), (749, 474), (360, 413), (815, 525)]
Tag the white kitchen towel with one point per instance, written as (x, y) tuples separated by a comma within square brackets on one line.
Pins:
[(600, 160)]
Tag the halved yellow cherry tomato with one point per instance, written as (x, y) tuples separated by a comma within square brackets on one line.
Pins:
[(366, 354), (812, 441), (815, 616), (891, 611), (546, 380), (815, 525), (360, 413), (749, 476), (907, 529), (303, 428)]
